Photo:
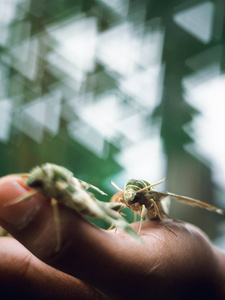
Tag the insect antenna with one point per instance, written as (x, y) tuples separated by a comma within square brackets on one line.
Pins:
[(148, 187), (116, 187), (23, 174), (22, 198)]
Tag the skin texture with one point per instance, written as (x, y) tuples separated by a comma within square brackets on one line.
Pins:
[(98, 264)]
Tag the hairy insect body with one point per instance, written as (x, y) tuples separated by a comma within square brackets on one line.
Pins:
[(59, 184), (49, 180), (140, 197), (130, 191), (53, 181), (135, 200)]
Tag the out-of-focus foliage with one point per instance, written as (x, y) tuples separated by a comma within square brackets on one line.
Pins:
[(117, 89)]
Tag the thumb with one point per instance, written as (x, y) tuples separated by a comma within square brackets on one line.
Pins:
[(32, 221), (20, 271), (86, 250), (25, 220)]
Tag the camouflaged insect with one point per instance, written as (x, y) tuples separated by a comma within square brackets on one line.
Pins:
[(140, 197), (59, 184)]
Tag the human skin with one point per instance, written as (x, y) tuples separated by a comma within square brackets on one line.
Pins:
[(99, 264)]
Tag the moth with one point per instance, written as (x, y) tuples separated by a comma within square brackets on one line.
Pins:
[(142, 198), (59, 184)]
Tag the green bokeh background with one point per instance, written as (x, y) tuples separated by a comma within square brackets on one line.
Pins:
[(27, 21)]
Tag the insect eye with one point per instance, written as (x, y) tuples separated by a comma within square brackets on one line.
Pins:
[(36, 184), (129, 196)]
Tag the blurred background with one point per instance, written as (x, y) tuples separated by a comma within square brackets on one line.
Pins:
[(118, 89)]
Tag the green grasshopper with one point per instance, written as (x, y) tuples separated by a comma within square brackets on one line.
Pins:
[(140, 197), (59, 184)]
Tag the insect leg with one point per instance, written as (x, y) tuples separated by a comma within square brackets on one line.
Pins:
[(57, 223), (142, 216), (120, 200), (165, 214), (135, 216), (112, 205), (117, 205), (87, 186), (111, 227), (159, 204), (160, 217)]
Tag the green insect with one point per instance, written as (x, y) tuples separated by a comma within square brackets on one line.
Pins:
[(140, 197), (58, 184)]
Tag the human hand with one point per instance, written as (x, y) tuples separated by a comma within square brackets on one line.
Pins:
[(98, 264)]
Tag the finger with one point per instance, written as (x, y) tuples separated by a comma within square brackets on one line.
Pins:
[(32, 222), (21, 273), (116, 197), (19, 219), (87, 252), (111, 262)]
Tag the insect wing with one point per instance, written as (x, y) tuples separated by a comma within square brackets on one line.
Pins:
[(166, 204), (79, 200), (87, 186), (195, 202), (187, 200), (158, 196), (118, 221), (108, 212), (83, 202), (116, 206)]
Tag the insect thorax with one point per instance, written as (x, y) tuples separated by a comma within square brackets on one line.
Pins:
[(46, 177), (131, 189)]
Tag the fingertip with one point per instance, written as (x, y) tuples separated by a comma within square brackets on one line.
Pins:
[(12, 179), (15, 215)]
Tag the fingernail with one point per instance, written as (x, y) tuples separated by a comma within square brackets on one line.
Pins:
[(20, 214)]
